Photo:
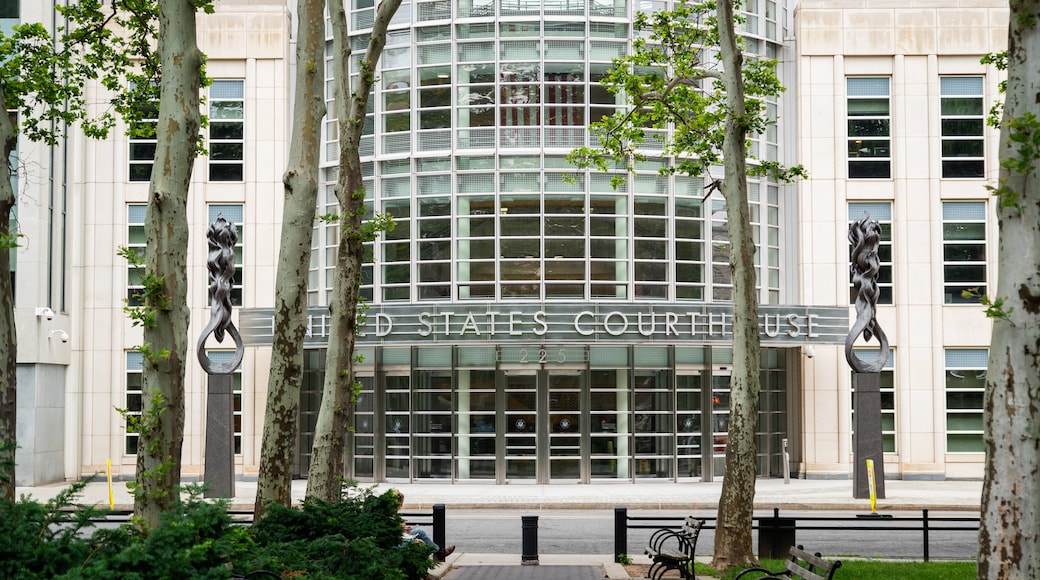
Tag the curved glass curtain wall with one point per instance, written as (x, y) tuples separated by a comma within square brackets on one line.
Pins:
[(477, 104)]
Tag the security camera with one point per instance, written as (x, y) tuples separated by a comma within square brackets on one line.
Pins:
[(809, 351), (45, 312), (60, 335)]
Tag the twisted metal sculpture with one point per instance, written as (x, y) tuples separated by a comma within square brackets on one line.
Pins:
[(864, 236), (222, 237)]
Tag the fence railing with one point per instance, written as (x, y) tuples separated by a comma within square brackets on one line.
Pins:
[(776, 533)]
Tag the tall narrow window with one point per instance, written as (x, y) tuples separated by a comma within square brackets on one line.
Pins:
[(227, 130), (135, 243), (882, 212), (965, 390), (870, 136), (234, 215), (963, 122), (964, 251), (142, 143), (133, 400)]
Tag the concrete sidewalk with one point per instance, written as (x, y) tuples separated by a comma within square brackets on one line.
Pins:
[(799, 494)]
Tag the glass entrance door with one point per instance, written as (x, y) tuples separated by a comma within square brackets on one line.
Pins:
[(565, 424), (518, 422), (719, 420)]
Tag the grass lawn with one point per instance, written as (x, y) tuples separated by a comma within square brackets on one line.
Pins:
[(879, 569)]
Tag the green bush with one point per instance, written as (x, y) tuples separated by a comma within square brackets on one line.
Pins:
[(43, 540), (357, 537), (193, 540)]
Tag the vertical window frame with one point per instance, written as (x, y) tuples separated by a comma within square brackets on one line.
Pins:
[(964, 365), (223, 157), (957, 215), (952, 89), (133, 399), (135, 243), (869, 155)]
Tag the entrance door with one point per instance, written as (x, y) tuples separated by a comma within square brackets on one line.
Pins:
[(565, 426), (720, 380), (518, 422)]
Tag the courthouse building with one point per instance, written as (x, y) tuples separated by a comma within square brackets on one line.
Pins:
[(530, 322)]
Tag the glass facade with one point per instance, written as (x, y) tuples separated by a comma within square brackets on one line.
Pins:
[(476, 106), (516, 414)]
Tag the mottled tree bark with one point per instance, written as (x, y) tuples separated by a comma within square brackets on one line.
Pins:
[(733, 535), (281, 420), (9, 343), (1009, 534), (329, 454), (166, 231)]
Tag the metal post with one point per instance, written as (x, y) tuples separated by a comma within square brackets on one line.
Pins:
[(529, 527), (924, 526), (787, 461), (219, 470), (439, 519), (620, 532)]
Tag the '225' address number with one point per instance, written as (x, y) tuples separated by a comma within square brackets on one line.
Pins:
[(541, 355)]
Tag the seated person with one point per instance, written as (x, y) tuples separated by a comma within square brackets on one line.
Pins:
[(412, 534)]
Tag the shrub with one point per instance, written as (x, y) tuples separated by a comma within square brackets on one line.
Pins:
[(44, 540), (193, 540), (358, 536)]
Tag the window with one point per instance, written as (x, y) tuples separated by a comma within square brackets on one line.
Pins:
[(9, 9), (869, 110), (965, 389), (135, 242), (963, 121), (888, 396), (223, 357), (226, 130), (142, 143), (134, 399), (234, 215), (964, 251), (882, 212)]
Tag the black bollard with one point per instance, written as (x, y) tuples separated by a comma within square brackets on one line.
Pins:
[(529, 526)]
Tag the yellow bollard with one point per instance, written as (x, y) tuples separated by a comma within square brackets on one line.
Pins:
[(111, 500), (873, 489)]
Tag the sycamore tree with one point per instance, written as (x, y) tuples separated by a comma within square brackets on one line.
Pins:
[(165, 313), (324, 478), (42, 78), (689, 87), (274, 480), (1009, 531)]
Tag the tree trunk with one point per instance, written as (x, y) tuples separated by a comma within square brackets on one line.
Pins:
[(1009, 534), (733, 535), (166, 230), (274, 483), (329, 454), (9, 343)]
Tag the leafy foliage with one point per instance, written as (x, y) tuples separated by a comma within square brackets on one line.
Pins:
[(672, 81), (43, 540), (358, 537)]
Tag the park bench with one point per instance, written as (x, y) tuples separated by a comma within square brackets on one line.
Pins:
[(672, 549), (802, 565)]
